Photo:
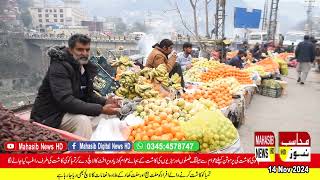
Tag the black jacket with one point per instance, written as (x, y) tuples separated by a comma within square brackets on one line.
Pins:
[(60, 90), (236, 61), (305, 52)]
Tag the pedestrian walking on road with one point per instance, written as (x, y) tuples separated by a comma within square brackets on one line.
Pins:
[(305, 54)]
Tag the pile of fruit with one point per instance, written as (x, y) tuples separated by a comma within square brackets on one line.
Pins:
[(232, 82), (269, 65), (220, 95), (16, 129), (227, 71), (161, 75), (256, 68), (178, 109), (271, 84), (212, 129), (131, 86), (157, 128), (142, 85), (285, 56), (283, 65), (123, 63), (194, 73)]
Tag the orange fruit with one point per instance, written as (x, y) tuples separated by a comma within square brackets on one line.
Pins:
[(155, 125), (179, 135), (131, 138), (164, 122), (145, 138), (165, 137), (150, 132), (154, 138), (163, 116), (151, 117), (133, 133), (138, 137), (166, 128), (158, 131), (175, 122), (170, 136)]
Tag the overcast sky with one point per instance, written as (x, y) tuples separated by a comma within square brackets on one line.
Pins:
[(291, 12)]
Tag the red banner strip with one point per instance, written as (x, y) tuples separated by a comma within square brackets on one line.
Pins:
[(91, 160)]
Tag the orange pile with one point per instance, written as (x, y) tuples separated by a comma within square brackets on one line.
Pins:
[(227, 71), (221, 95), (232, 54), (285, 55), (269, 65), (157, 128)]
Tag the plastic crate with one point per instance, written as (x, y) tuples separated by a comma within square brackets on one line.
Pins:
[(102, 61), (104, 82), (270, 92)]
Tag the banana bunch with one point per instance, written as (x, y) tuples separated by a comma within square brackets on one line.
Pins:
[(160, 74), (123, 63), (127, 85), (132, 85), (161, 70), (128, 79), (145, 91), (176, 81), (147, 73)]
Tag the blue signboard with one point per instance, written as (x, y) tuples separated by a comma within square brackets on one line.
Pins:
[(247, 19)]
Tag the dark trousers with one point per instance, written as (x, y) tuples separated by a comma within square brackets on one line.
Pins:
[(177, 69)]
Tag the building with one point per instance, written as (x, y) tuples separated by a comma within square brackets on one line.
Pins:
[(9, 10), (93, 26), (110, 24), (48, 15)]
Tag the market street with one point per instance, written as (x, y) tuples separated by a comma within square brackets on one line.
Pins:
[(296, 111)]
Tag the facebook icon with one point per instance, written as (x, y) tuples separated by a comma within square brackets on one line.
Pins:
[(72, 146)]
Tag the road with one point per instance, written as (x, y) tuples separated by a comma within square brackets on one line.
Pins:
[(298, 110)]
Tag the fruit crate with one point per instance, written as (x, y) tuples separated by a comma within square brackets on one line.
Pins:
[(102, 61), (104, 82), (270, 92)]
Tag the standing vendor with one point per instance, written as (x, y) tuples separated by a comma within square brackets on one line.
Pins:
[(66, 99), (185, 58), (163, 53)]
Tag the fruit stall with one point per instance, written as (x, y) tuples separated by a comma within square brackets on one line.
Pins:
[(210, 109), (156, 107)]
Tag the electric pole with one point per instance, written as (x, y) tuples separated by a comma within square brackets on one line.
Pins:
[(265, 16), (220, 19), (273, 20), (309, 16)]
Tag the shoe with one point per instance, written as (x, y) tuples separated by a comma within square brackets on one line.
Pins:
[(302, 83), (299, 79)]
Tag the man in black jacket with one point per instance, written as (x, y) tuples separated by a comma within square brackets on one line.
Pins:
[(237, 60), (305, 54), (66, 99)]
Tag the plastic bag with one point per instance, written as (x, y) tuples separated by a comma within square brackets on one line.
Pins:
[(111, 130)]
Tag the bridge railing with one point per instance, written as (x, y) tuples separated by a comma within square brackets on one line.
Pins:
[(65, 37), (99, 38)]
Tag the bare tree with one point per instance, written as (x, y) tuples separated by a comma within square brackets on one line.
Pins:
[(203, 44), (195, 20), (185, 24), (207, 2)]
